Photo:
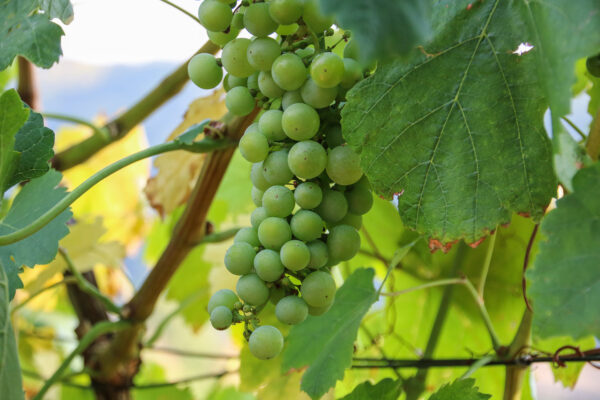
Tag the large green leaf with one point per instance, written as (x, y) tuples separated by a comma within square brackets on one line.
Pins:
[(37, 197), (325, 343), (382, 28), (13, 115), (61, 9), (461, 389), (34, 141), (24, 32), (564, 283), (386, 389), (457, 128), (10, 370)]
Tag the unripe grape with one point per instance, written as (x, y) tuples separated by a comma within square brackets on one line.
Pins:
[(316, 311), (284, 30), (237, 22), (270, 125), (222, 317), (258, 178), (291, 310), (258, 21), (222, 38), (234, 58), (239, 101), (351, 50), (316, 96), (204, 71), (262, 52), (314, 18), (286, 11), (333, 207), (327, 70), (333, 136), (267, 85), (318, 289), (300, 122), (319, 254), (252, 83), (265, 342), (354, 220), (257, 196), (214, 15), (290, 98), (268, 266), (223, 297), (233, 81), (275, 168), (239, 258), (343, 242), (294, 255), (306, 225), (352, 73), (252, 290), (307, 159), (360, 200), (276, 294), (308, 195), (343, 166), (247, 235), (258, 216), (278, 201), (288, 71), (273, 232), (253, 144)]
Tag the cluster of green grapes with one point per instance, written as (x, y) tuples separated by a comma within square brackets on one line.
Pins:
[(308, 185)]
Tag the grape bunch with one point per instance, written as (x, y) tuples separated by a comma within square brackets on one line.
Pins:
[(308, 185)]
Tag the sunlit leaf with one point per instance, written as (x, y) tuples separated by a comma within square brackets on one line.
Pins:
[(13, 114), (386, 389), (462, 389)]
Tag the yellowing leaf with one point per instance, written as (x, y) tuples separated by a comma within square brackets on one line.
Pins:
[(178, 170)]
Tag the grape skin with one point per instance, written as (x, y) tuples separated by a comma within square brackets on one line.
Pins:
[(239, 257), (223, 297), (308, 195), (273, 232), (318, 289), (295, 255), (268, 265), (204, 71), (307, 159), (221, 317), (252, 290), (265, 342), (291, 310), (214, 15), (343, 166), (300, 122)]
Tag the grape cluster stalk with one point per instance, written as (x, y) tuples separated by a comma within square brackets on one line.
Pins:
[(308, 185)]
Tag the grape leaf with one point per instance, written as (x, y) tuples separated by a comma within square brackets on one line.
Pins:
[(34, 141), (13, 114), (385, 389), (23, 32), (564, 282), (456, 129), (382, 28), (37, 197), (325, 343), (10, 370), (61, 9), (461, 389)]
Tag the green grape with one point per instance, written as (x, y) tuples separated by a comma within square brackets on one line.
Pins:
[(316, 96), (270, 125), (354, 220), (593, 65), (265, 342), (273, 232), (352, 73), (234, 58), (307, 159), (308, 195), (278, 201), (290, 98), (258, 178), (247, 235), (288, 71), (286, 11), (316, 311), (360, 200), (239, 101), (204, 71), (300, 122), (291, 310), (314, 18), (253, 145), (343, 242), (305, 52), (252, 290), (363, 182), (267, 85), (222, 317), (343, 166), (257, 196), (276, 169), (231, 81), (333, 207), (237, 22), (294, 255), (333, 136), (318, 289), (222, 38), (258, 216), (262, 52), (351, 50), (285, 30), (268, 266), (319, 254), (214, 15), (276, 294), (327, 70), (252, 83), (223, 297), (239, 258), (306, 225), (258, 21)]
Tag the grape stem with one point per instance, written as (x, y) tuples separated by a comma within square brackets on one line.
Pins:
[(486, 265), (100, 131), (65, 281), (186, 12)]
